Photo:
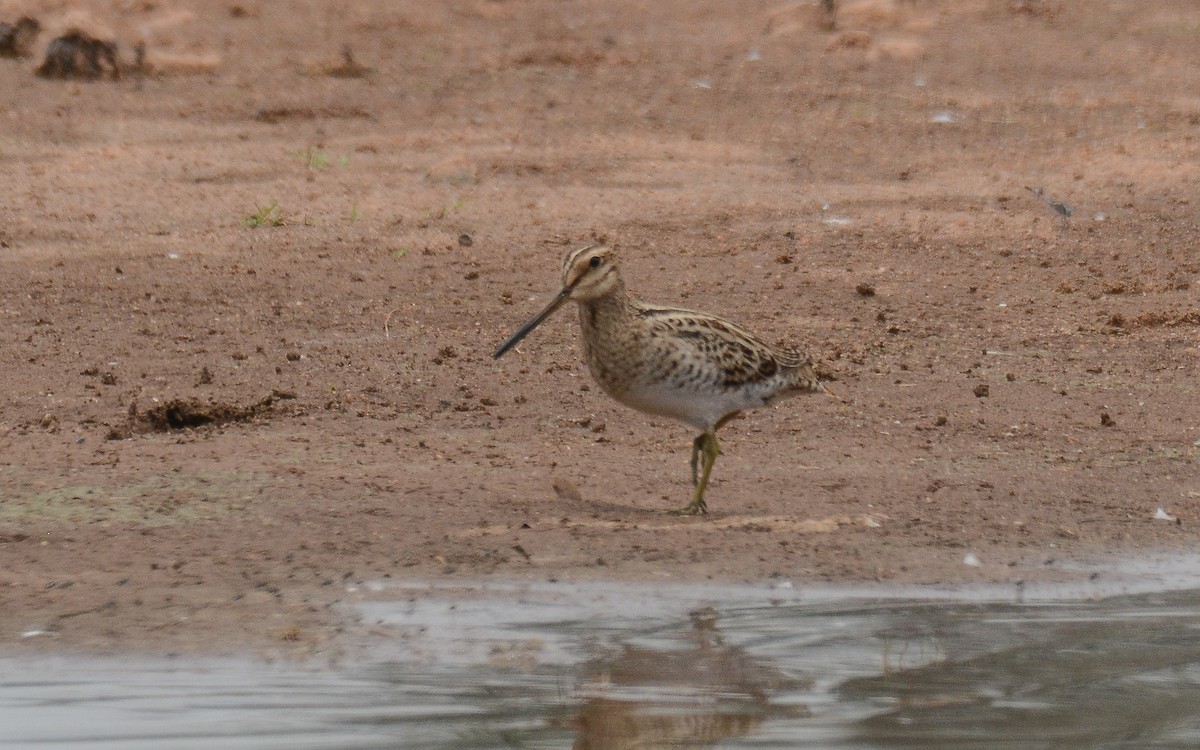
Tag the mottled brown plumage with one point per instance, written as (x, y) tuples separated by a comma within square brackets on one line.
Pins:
[(686, 365)]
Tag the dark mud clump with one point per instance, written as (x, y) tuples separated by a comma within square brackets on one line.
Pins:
[(191, 413), (1166, 319), (82, 56), (17, 41), (182, 414), (275, 115)]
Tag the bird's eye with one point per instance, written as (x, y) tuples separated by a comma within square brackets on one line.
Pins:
[(595, 261)]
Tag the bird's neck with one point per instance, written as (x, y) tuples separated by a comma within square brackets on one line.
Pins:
[(608, 311), (611, 325)]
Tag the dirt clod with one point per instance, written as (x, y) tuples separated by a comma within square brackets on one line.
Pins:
[(80, 55), (16, 40), (276, 115), (182, 414), (565, 489)]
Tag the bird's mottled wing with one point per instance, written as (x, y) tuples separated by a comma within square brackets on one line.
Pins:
[(735, 357)]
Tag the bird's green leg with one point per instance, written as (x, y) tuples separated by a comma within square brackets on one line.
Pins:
[(721, 422), (697, 446), (709, 449)]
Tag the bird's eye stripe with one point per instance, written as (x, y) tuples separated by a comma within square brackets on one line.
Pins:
[(574, 256)]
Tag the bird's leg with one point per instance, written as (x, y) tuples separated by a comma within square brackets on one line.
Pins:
[(697, 446), (709, 450)]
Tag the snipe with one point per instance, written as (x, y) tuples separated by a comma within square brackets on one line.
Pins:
[(690, 366)]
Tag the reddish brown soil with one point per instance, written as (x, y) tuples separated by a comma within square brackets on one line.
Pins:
[(342, 419)]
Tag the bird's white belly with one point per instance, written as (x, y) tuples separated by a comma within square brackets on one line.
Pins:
[(701, 409)]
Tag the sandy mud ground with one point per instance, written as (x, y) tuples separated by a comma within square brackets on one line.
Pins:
[(249, 293)]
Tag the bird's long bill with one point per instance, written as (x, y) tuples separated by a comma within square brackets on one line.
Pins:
[(534, 322)]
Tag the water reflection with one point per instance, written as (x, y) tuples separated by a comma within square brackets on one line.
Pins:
[(1124, 673), (609, 666), (696, 695)]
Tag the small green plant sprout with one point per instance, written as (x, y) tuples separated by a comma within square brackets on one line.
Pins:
[(400, 252), (450, 208), (264, 216), (316, 158), (354, 212)]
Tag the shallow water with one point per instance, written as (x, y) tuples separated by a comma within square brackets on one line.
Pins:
[(614, 666)]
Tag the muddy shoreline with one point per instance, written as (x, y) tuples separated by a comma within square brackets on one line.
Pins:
[(248, 308)]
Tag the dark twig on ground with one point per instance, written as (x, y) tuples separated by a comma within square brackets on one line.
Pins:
[(1060, 208)]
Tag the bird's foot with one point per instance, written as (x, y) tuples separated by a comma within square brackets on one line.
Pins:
[(695, 508)]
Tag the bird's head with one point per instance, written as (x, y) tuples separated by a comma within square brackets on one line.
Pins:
[(588, 273)]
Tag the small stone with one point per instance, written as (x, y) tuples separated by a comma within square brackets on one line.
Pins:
[(982, 390), (445, 353), (565, 489)]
